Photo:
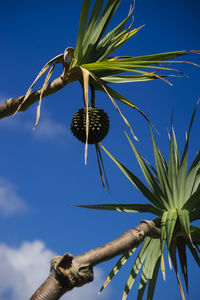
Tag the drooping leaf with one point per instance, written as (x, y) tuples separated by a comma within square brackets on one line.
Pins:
[(86, 75), (55, 60), (170, 225), (184, 219), (41, 93), (174, 261), (193, 252), (152, 257), (101, 167), (181, 246), (163, 230), (117, 267), (153, 280), (162, 266), (195, 214), (136, 267), (104, 88)]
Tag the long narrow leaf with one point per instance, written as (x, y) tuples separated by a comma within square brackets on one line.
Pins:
[(163, 230), (184, 219), (56, 59), (41, 93), (193, 202), (136, 267), (109, 43), (103, 87), (81, 30), (162, 172), (181, 245), (174, 261), (153, 280), (128, 78), (148, 268), (184, 161), (161, 57), (97, 33), (193, 252), (92, 22), (117, 267), (193, 177), (173, 170), (135, 181), (170, 224), (148, 176), (86, 75), (131, 208)]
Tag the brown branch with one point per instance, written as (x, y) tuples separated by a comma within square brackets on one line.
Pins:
[(68, 272), (9, 107)]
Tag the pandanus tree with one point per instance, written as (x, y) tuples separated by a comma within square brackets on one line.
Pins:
[(173, 190)]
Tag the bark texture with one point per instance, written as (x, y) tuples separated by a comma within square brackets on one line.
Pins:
[(9, 107), (68, 272)]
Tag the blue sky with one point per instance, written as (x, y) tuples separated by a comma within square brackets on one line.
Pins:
[(42, 172)]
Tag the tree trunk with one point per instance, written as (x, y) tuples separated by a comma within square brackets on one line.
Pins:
[(68, 272)]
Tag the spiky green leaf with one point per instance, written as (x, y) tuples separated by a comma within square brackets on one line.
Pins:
[(135, 181), (152, 257), (193, 202), (173, 168), (117, 267), (184, 218), (170, 224), (136, 267), (149, 177), (81, 30), (153, 280), (163, 230), (193, 177), (193, 252), (162, 174), (132, 208), (181, 246)]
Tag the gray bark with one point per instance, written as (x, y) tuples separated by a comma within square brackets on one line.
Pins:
[(68, 272)]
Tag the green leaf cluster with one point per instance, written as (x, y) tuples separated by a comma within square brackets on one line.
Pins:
[(92, 62), (173, 190)]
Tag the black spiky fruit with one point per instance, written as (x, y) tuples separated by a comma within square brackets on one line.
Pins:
[(98, 125)]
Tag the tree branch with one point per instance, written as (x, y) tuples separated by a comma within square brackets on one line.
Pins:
[(68, 272), (9, 107)]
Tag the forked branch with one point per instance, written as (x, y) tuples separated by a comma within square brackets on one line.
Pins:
[(68, 272)]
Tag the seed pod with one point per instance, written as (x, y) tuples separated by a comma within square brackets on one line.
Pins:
[(98, 125)]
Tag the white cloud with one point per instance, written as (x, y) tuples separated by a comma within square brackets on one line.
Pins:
[(47, 128), (50, 129), (23, 269), (10, 201)]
